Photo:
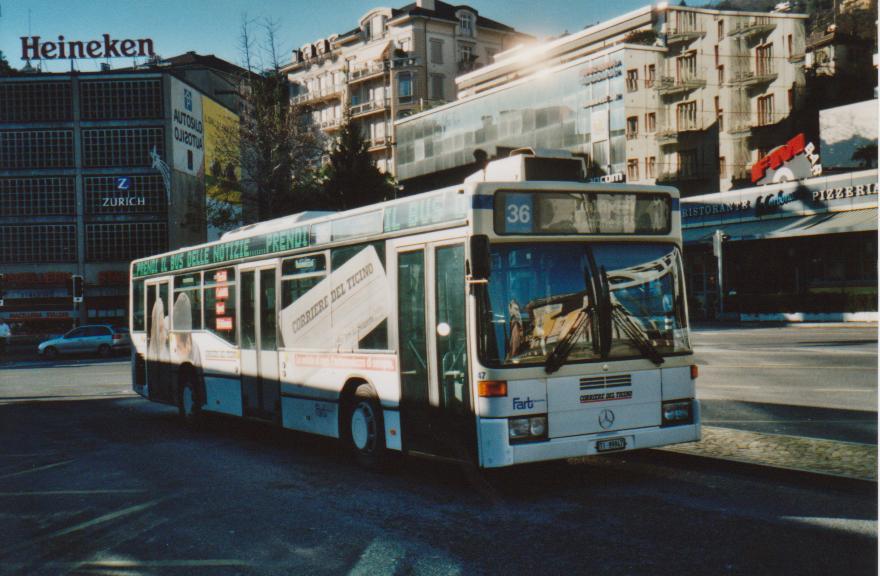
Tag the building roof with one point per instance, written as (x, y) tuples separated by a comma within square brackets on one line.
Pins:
[(447, 12), (192, 59)]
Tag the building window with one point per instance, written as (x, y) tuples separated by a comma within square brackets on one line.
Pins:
[(685, 21), (790, 45), (632, 127), (722, 167), (651, 122), (36, 149), (436, 87), (686, 66), (47, 196), (650, 71), (717, 57), (720, 29), (687, 163), (764, 60), (632, 170), (651, 167), (791, 102), (38, 243), (765, 110), (466, 57), (632, 80), (466, 24), (35, 102), (719, 114), (124, 241), (121, 99), (721, 76), (404, 87), (436, 51), (686, 116), (121, 146)]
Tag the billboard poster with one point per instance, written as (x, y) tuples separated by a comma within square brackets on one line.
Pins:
[(341, 309), (222, 172), (188, 128)]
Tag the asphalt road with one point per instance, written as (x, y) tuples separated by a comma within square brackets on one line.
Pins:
[(94, 480), (814, 380)]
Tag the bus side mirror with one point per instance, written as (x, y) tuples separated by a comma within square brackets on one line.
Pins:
[(480, 262)]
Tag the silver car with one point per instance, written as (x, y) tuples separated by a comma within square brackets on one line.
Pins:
[(101, 338)]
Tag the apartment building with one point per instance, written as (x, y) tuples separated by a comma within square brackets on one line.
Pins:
[(677, 95), (398, 61), (97, 169)]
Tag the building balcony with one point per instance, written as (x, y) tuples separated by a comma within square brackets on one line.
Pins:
[(369, 107), (313, 96), (754, 27), (675, 36), (669, 86), (367, 71), (378, 143), (749, 79), (329, 125), (740, 130), (797, 57), (406, 62), (666, 137)]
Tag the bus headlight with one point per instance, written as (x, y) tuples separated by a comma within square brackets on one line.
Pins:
[(527, 429), (677, 412)]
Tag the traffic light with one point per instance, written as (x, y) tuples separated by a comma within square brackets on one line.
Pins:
[(76, 288)]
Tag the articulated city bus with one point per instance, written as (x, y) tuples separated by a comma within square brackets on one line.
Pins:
[(521, 316)]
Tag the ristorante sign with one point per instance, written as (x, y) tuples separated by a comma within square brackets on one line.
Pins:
[(33, 48)]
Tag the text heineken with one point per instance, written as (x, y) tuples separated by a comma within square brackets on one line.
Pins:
[(33, 49)]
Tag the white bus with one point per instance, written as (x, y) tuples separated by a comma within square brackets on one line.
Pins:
[(521, 316)]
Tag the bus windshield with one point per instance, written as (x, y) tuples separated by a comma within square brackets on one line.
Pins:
[(553, 303)]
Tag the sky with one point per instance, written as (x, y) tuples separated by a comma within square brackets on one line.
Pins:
[(213, 26)]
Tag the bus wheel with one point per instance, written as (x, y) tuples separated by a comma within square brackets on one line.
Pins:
[(187, 405), (366, 430)]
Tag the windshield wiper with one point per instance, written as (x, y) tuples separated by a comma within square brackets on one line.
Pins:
[(623, 321)]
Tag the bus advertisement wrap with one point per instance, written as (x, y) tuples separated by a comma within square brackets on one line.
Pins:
[(342, 308)]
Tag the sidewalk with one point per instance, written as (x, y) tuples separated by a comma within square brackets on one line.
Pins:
[(829, 457)]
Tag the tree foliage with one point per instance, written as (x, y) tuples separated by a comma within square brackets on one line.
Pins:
[(351, 178)]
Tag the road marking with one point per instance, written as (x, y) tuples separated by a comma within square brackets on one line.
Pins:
[(840, 390), (729, 386), (84, 525), (70, 492), (37, 469), (380, 557)]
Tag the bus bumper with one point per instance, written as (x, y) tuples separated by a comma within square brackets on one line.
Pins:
[(496, 451)]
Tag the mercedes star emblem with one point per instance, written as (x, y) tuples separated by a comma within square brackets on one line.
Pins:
[(606, 419)]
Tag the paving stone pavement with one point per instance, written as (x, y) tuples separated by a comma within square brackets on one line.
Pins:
[(846, 459)]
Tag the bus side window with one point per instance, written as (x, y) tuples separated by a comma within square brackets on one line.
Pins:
[(377, 339), (137, 306)]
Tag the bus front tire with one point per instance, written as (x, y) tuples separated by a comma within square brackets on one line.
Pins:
[(366, 429)]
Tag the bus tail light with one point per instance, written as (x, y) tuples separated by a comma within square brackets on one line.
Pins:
[(527, 429), (677, 412), (695, 371), (492, 388)]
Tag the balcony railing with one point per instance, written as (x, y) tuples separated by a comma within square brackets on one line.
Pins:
[(676, 36), (368, 107), (754, 27), (750, 78), (666, 137), (368, 70), (316, 95), (669, 86)]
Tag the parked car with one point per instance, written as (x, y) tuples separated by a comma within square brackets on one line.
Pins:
[(101, 338)]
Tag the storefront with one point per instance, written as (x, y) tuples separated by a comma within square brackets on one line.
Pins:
[(805, 247)]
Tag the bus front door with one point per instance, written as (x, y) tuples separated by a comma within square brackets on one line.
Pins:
[(158, 346), (261, 396), (436, 412)]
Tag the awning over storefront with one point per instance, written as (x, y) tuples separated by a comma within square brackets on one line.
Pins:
[(815, 225)]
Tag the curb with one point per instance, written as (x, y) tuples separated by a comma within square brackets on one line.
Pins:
[(827, 458)]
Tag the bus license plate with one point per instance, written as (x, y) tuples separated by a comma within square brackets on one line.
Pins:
[(610, 444)]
